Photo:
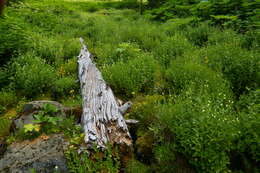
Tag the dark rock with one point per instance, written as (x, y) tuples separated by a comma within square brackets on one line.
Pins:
[(44, 155)]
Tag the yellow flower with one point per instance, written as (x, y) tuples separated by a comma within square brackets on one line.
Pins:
[(32, 127), (37, 128)]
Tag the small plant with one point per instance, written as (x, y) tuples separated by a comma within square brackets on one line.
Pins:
[(4, 77), (182, 75), (94, 161), (12, 38), (45, 121), (48, 119), (71, 130), (5, 125), (32, 76), (248, 107), (171, 48), (199, 35), (7, 98), (133, 76), (32, 127), (238, 66), (65, 86), (134, 166), (68, 69), (41, 118)]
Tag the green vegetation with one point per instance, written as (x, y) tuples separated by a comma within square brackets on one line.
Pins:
[(240, 15), (97, 161), (190, 67)]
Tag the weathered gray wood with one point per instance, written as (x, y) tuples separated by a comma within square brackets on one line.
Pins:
[(102, 118), (131, 121), (125, 107)]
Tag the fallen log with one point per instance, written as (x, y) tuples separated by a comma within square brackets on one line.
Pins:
[(102, 117)]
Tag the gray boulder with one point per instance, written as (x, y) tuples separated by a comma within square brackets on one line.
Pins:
[(44, 154)]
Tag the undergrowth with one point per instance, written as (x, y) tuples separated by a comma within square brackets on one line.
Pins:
[(195, 87)]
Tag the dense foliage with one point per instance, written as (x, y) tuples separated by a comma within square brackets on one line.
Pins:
[(193, 78), (241, 15)]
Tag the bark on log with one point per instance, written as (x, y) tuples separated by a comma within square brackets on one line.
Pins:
[(102, 117)]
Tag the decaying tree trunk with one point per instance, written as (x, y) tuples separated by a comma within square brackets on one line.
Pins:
[(102, 117)]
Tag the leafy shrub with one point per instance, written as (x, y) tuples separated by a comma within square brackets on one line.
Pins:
[(72, 101), (5, 125), (249, 109), (107, 161), (249, 135), (173, 26), (127, 51), (195, 118), (169, 9), (203, 134), (53, 49), (227, 36), (69, 68), (144, 109), (137, 167), (45, 121), (193, 124), (181, 76), (238, 13), (12, 38), (163, 13), (199, 35), (251, 40), (192, 121), (170, 48), (249, 103), (71, 49), (71, 130), (110, 54), (238, 66), (32, 76), (224, 20), (155, 3), (64, 86), (7, 98), (125, 4), (134, 76), (9, 2), (166, 154), (4, 75)]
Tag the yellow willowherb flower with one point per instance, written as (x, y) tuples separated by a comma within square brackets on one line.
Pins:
[(32, 127), (37, 127), (61, 71)]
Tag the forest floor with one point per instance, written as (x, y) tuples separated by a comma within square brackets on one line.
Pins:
[(195, 87)]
